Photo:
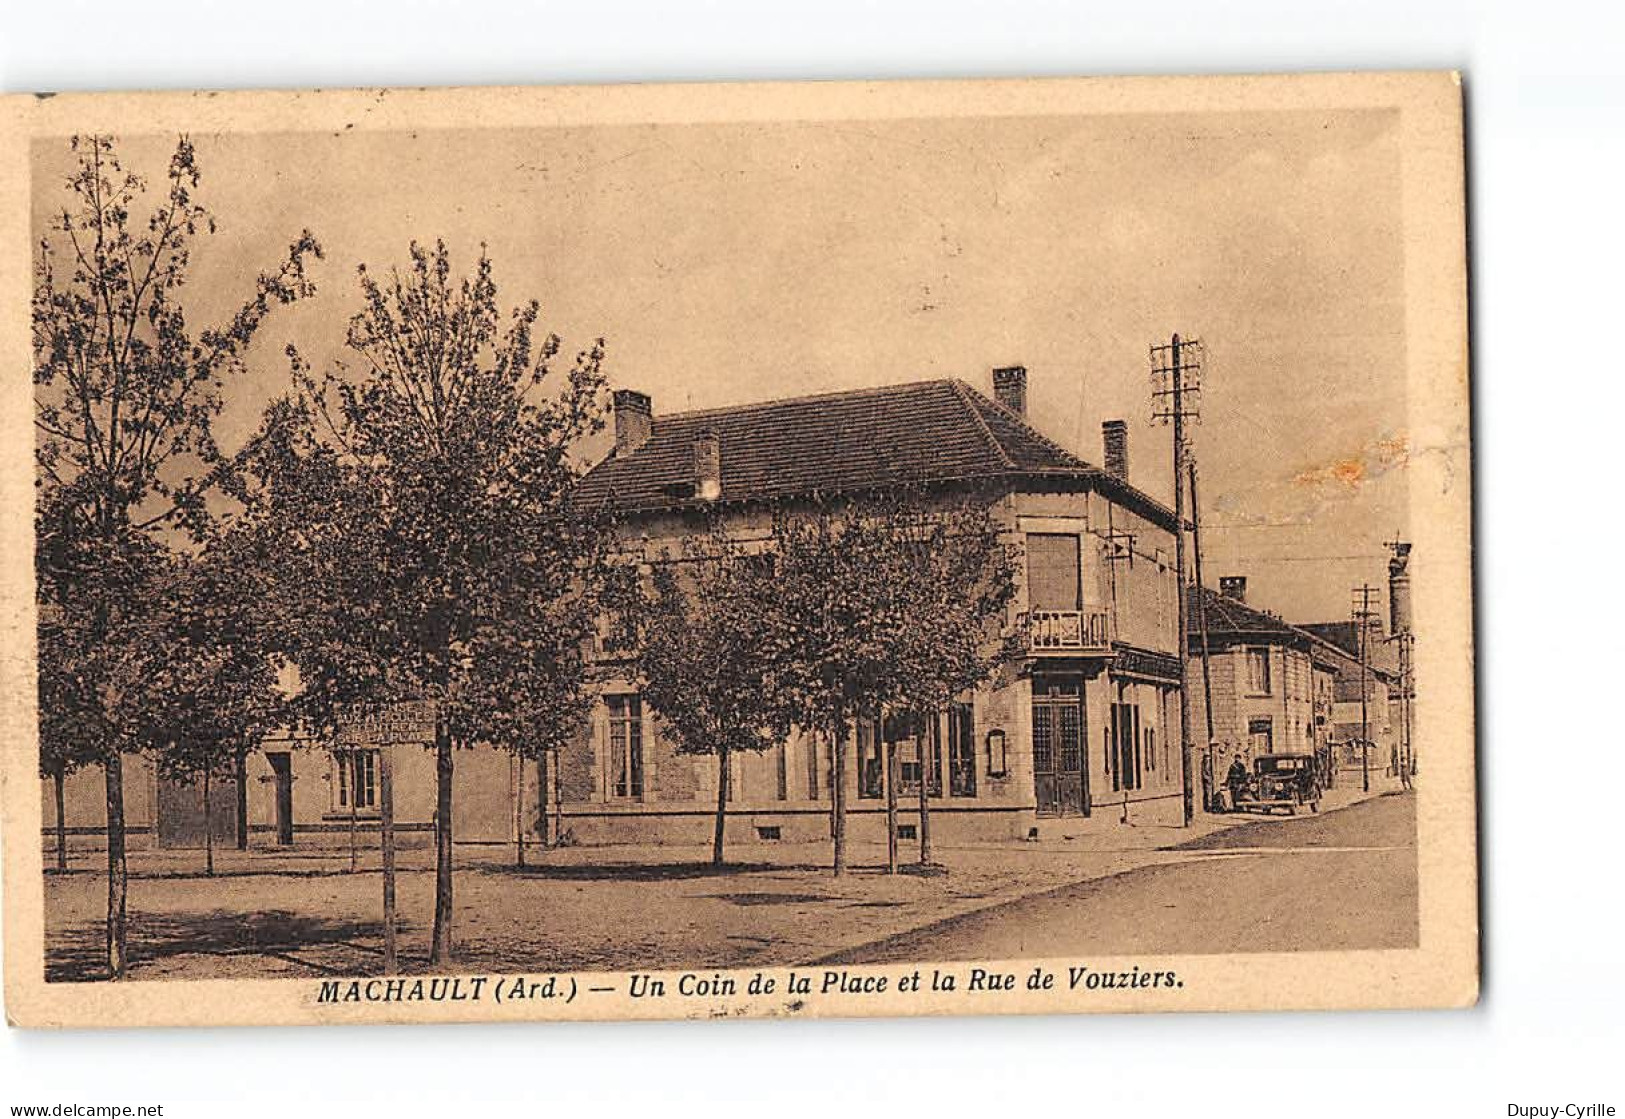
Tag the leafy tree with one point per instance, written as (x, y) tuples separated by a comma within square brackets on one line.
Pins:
[(861, 592), (957, 576), (218, 682), (424, 497), (700, 655), (69, 732), (126, 393)]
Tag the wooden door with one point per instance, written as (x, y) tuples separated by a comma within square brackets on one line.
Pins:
[(282, 769), (1060, 775)]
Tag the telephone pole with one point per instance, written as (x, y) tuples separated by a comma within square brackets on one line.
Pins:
[(1362, 614), (1175, 377), (1201, 625), (1399, 614)]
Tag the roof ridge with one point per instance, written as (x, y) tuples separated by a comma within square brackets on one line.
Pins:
[(1031, 429), (866, 390), (961, 390)]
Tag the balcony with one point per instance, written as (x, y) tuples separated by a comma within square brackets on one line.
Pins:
[(1069, 631)]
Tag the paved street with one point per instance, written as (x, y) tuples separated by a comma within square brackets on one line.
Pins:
[(1342, 880)]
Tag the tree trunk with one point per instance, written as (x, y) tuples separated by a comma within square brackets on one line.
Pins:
[(519, 808), (350, 759), (58, 779), (928, 769), (558, 797), (440, 951), (838, 793), (386, 842), (722, 805), (542, 797), (242, 798), (118, 883), (889, 766), (208, 829)]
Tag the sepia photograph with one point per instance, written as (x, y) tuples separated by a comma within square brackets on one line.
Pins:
[(843, 549)]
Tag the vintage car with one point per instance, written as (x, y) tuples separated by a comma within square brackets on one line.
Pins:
[(1288, 781)]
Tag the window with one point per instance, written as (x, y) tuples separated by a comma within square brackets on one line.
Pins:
[(625, 746), (1125, 736), (917, 743), (782, 775), (1150, 748), (1052, 572), (357, 779), (1258, 671), (1260, 736), (961, 751), (871, 762)]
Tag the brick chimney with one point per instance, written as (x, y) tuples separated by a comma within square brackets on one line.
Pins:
[(707, 466), (1233, 586), (1114, 439), (1399, 588), (634, 420), (1010, 388)]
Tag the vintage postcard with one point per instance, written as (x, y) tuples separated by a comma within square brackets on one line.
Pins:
[(737, 550)]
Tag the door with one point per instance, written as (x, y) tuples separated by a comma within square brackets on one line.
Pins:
[(1060, 777), (282, 771)]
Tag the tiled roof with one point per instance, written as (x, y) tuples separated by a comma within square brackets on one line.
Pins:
[(1343, 638), (925, 432), (1332, 643), (1229, 617)]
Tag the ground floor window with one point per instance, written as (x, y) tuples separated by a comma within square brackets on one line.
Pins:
[(961, 751), (356, 779), (625, 746), (1260, 736), (871, 762), (918, 745), (1127, 749)]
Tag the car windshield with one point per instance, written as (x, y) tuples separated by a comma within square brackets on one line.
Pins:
[(1279, 765)]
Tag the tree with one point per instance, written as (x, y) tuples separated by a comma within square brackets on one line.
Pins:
[(425, 502), (218, 685), (69, 732), (861, 592), (958, 577), (125, 398), (700, 656)]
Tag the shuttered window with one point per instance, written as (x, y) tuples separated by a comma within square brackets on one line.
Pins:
[(1052, 571)]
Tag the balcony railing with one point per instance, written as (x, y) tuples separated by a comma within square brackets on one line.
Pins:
[(1069, 631)]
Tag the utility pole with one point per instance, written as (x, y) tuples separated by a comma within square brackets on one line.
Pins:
[(1362, 614), (1201, 625), (1175, 370), (1399, 612)]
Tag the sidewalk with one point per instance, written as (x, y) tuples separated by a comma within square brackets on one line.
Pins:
[(581, 908)]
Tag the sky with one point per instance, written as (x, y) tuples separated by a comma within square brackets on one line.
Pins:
[(730, 263)]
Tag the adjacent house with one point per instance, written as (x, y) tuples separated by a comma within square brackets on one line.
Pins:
[(1371, 673), (1270, 685)]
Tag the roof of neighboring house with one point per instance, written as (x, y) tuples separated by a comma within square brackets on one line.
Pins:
[(1231, 618), (866, 439), (1344, 638)]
